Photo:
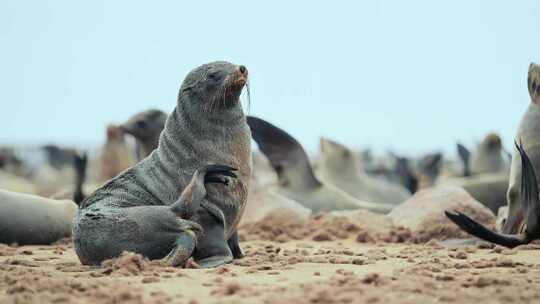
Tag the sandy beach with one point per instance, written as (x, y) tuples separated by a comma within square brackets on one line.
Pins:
[(311, 269)]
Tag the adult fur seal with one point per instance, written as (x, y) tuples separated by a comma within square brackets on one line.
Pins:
[(341, 167), (173, 204), (296, 179), (489, 157), (33, 220), (145, 127), (522, 225)]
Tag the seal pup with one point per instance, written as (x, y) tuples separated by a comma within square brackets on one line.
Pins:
[(28, 219), (296, 179), (175, 204), (145, 127), (115, 155), (341, 167), (522, 224)]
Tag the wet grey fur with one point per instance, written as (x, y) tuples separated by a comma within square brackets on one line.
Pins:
[(139, 209)]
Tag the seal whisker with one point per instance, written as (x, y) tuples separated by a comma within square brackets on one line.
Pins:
[(248, 96)]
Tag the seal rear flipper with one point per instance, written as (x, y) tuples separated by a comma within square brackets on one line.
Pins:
[(183, 249), (285, 154), (191, 198), (80, 162), (480, 231), (465, 156), (530, 204), (529, 194)]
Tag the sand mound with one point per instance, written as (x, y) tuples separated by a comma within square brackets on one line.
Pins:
[(424, 215)]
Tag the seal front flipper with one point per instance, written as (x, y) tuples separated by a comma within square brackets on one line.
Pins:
[(192, 196), (285, 154), (212, 248)]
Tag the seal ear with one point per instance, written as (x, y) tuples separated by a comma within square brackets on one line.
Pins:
[(285, 154), (465, 156), (533, 82)]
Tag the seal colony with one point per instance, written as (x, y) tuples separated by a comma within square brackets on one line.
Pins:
[(296, 179), (186, 198), (341, 167)]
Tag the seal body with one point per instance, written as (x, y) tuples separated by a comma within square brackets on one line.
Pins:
[(139, 209), (489, 156), (488, 189), (33, 220), (341, 167)]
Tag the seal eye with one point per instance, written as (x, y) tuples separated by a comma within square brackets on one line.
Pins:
[(141, 124), (213, 75)]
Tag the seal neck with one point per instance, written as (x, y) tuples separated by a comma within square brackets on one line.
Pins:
[(192, 138)]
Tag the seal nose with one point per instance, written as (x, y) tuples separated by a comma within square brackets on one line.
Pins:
[(242, 70)]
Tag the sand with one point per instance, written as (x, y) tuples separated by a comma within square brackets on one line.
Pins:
[(305, 264)]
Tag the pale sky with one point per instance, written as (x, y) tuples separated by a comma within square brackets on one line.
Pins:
[(412, 76)]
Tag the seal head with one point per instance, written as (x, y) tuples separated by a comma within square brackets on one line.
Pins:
[(215, 86), (145, 127)]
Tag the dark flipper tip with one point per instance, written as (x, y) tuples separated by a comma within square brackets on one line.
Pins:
[(216, 180), (480, 231)]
